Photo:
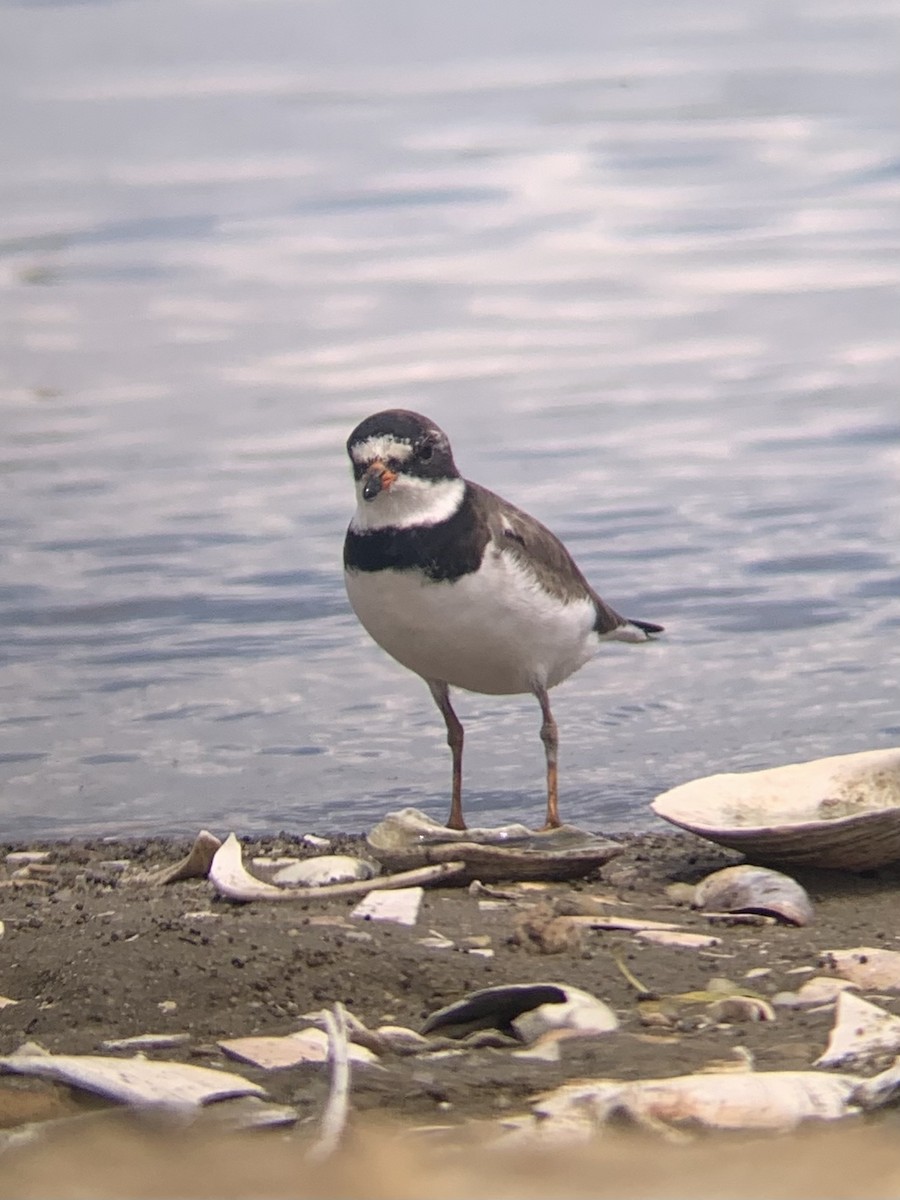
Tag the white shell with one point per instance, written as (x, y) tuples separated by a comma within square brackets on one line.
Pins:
[(731, 1009), (817, 992), (147, 1041), (748, 889), (526, 1010), (326, 868), (581, 1013), (230, 878), (137, 1081), (197, 862), (842, 811), (776, 1101), (290, 1050), (678, 939), (862, 1032), (866, 966), (400, 906), (402, 1040)]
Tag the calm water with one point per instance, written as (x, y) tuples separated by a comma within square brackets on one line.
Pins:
[(640, 261)]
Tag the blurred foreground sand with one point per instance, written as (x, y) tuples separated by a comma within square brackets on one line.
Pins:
[(118, 1160)]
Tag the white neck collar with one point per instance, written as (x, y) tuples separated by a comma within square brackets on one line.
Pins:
[(407, 502)]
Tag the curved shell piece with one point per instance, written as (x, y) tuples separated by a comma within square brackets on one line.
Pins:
[(231, 879), (842, 811), (524, 1011), (741, 1008), (135, 1081), (747, 889)]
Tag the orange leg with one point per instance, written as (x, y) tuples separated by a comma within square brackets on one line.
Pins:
[(441, 694), (550, 738)]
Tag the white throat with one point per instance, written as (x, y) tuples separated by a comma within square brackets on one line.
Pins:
[(408, 501)]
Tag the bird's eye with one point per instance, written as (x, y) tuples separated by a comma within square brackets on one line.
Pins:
[(426, 451), (393, 464)]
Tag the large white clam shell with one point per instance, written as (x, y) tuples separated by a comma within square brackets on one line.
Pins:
[(842, 811)]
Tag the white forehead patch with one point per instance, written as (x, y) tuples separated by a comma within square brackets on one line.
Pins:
[(381, 447)]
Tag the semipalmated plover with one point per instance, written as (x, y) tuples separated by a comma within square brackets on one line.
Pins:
[(461, 586)]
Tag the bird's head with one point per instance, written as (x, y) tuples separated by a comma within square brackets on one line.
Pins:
[(404, 471)]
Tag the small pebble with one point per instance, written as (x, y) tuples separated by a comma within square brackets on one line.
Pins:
[(478, 941), (681, 893)]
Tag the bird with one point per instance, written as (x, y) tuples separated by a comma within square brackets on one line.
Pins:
[(463, 588)]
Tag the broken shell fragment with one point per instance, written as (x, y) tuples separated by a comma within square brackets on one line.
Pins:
[(776, 1101), (436, 941), (866, 966), (401, 906), (679, 939), (401, 1040), (197, 863), (410, 838), (325, 868), (748, 889), (842, 811), (290, 1050), (741, 1008), (137, 1081), (815, 993), (147, 1041), (524, 1011), (862, 1033)]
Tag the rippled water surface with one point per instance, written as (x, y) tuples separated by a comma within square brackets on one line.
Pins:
[(640, 261)]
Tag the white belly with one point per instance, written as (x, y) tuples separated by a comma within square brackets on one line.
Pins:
[(495, 631)]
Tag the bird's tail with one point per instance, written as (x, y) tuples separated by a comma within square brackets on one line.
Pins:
[(648, 627), (633, 631)]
